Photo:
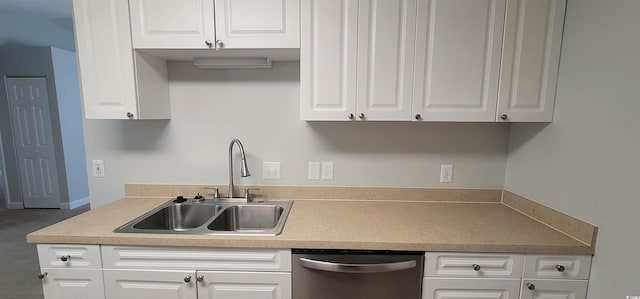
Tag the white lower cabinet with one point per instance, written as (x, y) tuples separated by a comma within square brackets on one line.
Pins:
[(554, 289), (72, 284), (248, 285), (505, 276), (471, 288), (155, 284)]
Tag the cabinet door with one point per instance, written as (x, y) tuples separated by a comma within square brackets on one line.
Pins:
[(471, 288), (172, 24), (71, 284), (531, 57), (328, 54), (258, 24), (105, 56), (458, 50), (136, 284), (554, 289), (244, 285), (386, 45)]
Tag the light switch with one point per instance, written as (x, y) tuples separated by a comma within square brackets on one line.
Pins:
[(446, 173), (98, 168), (314, 171), (271, 170)]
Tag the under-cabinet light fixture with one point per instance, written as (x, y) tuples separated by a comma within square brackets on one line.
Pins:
[(232, 62)]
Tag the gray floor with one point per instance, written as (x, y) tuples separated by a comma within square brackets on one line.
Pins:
[(18, 260)]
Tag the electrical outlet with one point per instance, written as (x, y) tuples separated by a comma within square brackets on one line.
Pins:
[(98, 168), (271, 170), (314, 171), (446, 173), (327, 171)]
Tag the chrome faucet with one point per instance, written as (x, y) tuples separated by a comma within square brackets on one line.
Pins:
[(244, 171)]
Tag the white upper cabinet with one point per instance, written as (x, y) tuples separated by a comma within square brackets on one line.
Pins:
[(531, 56), (356, 59), (116, 82), (328, 53), (458, 49), (204, 24), (172, 24)]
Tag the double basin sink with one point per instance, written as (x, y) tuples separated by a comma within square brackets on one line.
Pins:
[(212, 217)]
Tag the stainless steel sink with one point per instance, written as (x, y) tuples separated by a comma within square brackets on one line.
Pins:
[(248, 218), (212, 217)]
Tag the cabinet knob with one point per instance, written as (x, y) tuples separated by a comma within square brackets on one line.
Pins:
[(65, 258), (187, 279), (476, 267), (200, 278), (43, 275), (361, 115), (129, 115), (208, 43), (350, 116), (504, 117), (560, 268), (219, 44), (418, 116), (531, 286)]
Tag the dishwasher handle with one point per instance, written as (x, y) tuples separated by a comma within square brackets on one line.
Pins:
[(356, 268)]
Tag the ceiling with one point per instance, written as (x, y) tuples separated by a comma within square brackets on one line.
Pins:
[(49, 9)]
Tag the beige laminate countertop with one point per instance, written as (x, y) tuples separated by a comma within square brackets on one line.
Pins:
[(341, 224)]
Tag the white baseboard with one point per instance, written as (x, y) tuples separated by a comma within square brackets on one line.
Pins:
[(74, 204)]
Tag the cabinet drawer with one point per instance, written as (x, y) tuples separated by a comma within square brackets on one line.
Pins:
[(473, 265), (68, 283), (557, 266), (471, 288), (554, 288), (69, 256), (119, 257)]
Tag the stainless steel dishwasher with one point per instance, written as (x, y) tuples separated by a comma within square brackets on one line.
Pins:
[(357, 274)]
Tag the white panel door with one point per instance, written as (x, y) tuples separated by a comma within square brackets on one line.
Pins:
[(554, 289), (386, 45), (328, 54), (33, 139), (470, 288), (72, 284), (531, 58), (137, 284), (244, 285), (257, 24), (105, 56), (458, 51), (172, 24)]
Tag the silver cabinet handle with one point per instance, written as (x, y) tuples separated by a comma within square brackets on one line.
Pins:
[(129, 115), (200, 278), (560, 268), (208, 43), (475, 267), (43, 275), (65, 258), (356, 268), (504, 117), (418, 116), (350, 116), (531, 286), (361, 116), (187, 279), (219, 44)]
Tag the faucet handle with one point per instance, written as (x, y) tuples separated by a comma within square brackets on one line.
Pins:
[(216, 194), (247, 193)]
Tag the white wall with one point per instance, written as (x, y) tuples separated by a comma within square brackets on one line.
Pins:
[(587, 161), (261, 108), (31, 30)]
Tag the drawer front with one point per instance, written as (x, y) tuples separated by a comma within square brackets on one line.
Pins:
[(554, 288), (69, 256), (443, 264), (557, 266), (470, 288), (67, 283), (232, 259)]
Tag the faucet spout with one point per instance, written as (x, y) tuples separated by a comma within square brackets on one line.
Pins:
[(244, 171)]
